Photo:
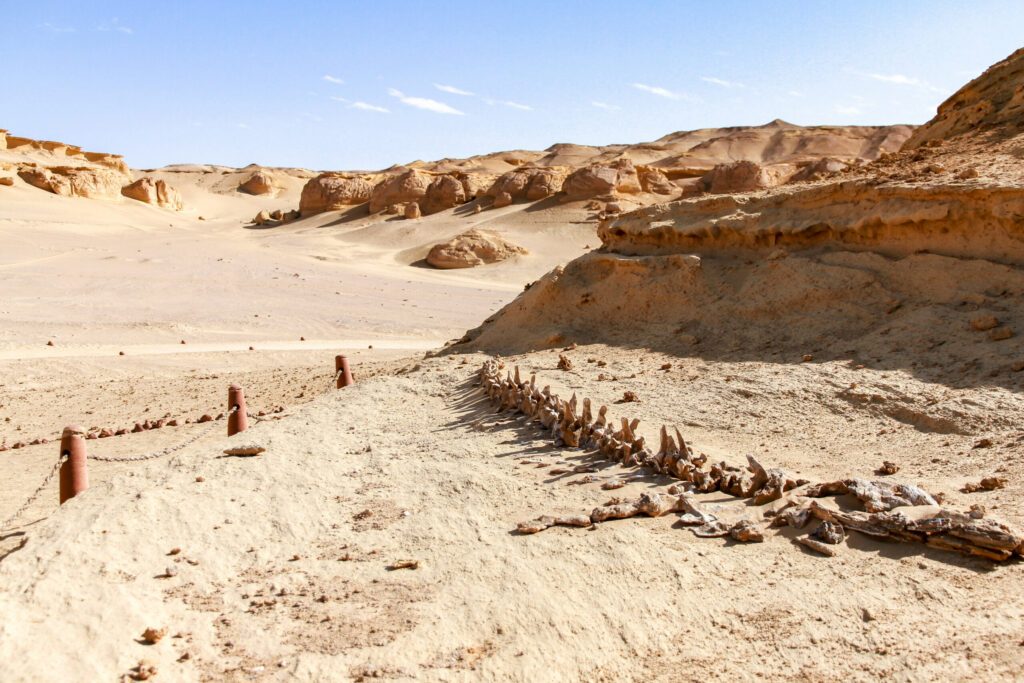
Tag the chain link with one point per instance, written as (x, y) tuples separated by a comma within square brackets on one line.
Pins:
[(166, 451), (35, 494)]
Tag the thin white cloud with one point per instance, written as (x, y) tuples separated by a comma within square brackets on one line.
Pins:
[(722, 82), (848, 110), (794, 93), (451, 89), (517, 105), (243, 126), (366, 106), (507, 103), (606, 106), (339, 99), (899, 79), (115, 25), (57, 29), (424, 103), (659, 91), (333, 79)]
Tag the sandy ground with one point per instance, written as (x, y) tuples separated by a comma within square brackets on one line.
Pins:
[(283, 566)]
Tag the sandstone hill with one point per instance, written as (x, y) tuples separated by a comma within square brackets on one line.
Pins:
[(715, 160), (914, 260)]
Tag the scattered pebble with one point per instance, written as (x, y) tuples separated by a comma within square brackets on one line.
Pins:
[(403, 564), (153, 635)]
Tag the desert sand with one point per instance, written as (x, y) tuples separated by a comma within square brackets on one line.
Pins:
[(823, 299)]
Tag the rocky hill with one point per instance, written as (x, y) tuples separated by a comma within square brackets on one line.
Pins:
[(915, 259)]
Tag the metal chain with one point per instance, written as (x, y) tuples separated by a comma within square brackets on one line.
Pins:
[(166, 451), (35, 494)]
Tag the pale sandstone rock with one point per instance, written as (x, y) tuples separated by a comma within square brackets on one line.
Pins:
[(444, 192), (259, 183), (737, 176), (93, 183), (155, 192), (994, 99), (822, 168), (472, 248), (410, 186), (333, 191), (599, 180), (501, 200), (654, 181), (412, 210)]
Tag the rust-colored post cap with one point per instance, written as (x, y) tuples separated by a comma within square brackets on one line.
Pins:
[(74, 472), (344, 375), (238, 421)]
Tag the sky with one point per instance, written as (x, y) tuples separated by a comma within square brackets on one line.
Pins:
[(363, 85)]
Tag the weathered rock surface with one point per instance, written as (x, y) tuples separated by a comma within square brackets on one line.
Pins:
[(259, 183), (655, 181), (412, 210), (744, 176), (332, 192), (444, 192), (408, 186), (155, 192), (993, 100), (599, 180), (89, 182), (472, 248)]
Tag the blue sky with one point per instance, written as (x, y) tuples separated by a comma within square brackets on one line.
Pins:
[(345, 85)]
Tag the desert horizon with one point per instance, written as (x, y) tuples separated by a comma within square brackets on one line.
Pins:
[(431, 400)]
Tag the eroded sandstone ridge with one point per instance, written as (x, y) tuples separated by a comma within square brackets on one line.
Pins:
[(898, 254), (683, 164)]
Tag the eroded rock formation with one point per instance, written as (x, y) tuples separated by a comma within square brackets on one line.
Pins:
[(155, 192), (472, 248), (332, 192)]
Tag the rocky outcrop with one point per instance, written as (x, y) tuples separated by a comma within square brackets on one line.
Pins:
[(412, 211), (472, 248), (545, 182), (992, 101), (3, 138), (894, 220), (600, 180), (655, 181), (332, 192), (529, 184), (502, 200), (92, 183), (408, 186), (6, 180), (822, 168), (475, 184), (444, 192), (155, 192), (259, 183), (744, 176)]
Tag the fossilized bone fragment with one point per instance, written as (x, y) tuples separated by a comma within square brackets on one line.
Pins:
[(542, 523), (746, 531)]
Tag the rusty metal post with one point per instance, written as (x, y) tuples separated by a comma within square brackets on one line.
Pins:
[(238, 421), (342, 371), (74, 474)]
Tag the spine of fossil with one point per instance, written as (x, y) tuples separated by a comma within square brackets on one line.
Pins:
[(886, 504)]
